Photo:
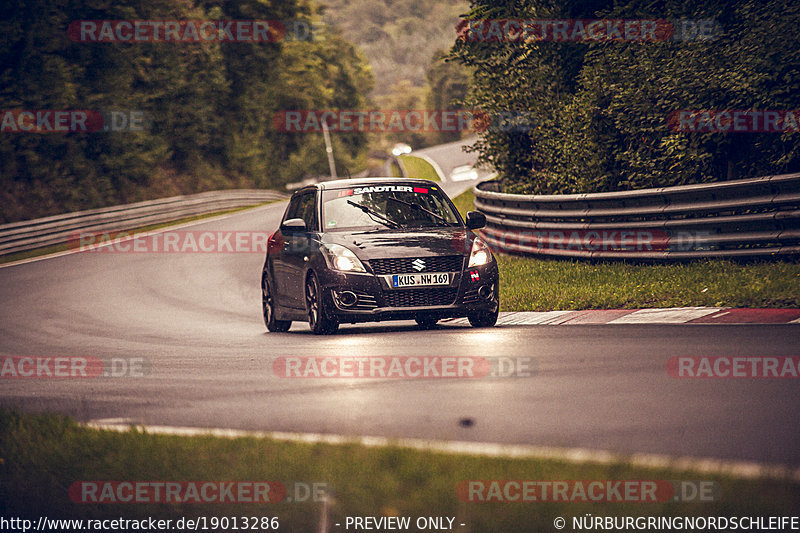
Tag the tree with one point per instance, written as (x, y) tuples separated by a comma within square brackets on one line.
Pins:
[(447, 88), (599, 111), (208, 104)]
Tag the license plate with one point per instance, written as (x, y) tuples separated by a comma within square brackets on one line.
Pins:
[(420, 280)]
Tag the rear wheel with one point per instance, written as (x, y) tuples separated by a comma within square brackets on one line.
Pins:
[(268, 307), (426, 322), (484, 319), (318, 319)]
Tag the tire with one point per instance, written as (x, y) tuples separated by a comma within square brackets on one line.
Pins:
[(318, 319), (484, 319), (268, 308), (426, 322)]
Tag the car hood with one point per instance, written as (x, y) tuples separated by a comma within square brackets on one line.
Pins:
[(388, 244)]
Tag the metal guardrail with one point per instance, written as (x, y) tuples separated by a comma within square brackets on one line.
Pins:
[(739, 218), (58, 229)]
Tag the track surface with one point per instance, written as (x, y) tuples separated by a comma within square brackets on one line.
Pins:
[(197, 319), (451, 155)]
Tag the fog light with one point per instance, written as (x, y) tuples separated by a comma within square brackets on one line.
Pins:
[(485, 292), (347, 298)]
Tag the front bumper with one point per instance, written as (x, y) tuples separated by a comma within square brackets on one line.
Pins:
[(472, 290)]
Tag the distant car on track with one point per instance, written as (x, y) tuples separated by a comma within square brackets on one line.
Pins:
[(372, 249), (400, 149), (463, 173)]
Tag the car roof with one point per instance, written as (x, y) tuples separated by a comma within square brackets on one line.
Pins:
[(361, 182)]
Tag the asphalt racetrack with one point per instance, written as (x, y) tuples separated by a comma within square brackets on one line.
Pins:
[(195, 319)]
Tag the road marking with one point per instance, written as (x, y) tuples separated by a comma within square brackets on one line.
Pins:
[(741, 469), (520, 318), (673, 315), (434, 164)]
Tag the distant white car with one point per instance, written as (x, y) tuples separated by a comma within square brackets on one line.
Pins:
[(400, 149), (464, 173)]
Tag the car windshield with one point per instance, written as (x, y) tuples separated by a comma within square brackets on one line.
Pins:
[(386, 206)]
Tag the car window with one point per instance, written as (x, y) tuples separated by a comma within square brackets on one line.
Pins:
[(303, 206), (308, 211), (393, 205), (293, 211)]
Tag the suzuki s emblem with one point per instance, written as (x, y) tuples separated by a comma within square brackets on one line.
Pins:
[(418, 264)]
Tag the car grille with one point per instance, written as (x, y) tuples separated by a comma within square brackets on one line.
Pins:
[(471, 296), (436, 263), (420, 297), (365, 301)]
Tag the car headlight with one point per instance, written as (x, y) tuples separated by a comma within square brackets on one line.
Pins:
[(480, 254), (340, 258)]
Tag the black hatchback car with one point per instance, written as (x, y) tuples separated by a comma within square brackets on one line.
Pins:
[(362, 250)]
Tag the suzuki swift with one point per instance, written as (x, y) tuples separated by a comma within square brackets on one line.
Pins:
[(363, 250)]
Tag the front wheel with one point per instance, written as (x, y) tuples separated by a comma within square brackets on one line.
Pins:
[(318, 319), (268, 308), (484, 319)]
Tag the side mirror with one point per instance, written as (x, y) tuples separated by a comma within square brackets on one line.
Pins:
[(294, 225), (475, 220)]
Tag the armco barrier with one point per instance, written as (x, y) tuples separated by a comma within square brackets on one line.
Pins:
[(48, 231), (739, 218)]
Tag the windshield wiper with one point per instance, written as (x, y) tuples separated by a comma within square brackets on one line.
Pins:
[(420, 208), (386, 221)]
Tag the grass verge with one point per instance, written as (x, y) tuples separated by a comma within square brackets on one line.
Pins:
[(465, 202), (43, 455), (533, 284), (416, 167), (528, 284), (47, 250)]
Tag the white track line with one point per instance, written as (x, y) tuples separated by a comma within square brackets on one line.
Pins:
[(432, 163), (673, 315), (740, 469), (520, 318)]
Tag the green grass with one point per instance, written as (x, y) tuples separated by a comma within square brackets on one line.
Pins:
[(465, 202), (528, 284), (42, 455), (47, 250), (416, 167), (534, 284)]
